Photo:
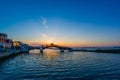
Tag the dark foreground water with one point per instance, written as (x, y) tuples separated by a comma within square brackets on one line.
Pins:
[(52, 65)]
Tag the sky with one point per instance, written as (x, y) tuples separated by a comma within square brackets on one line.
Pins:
[(78, 23)]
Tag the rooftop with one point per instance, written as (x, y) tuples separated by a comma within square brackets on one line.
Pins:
[(3, 34)]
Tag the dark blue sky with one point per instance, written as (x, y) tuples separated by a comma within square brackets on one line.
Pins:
[(70, 22)]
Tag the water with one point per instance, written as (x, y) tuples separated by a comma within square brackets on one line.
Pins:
[(52, 65)]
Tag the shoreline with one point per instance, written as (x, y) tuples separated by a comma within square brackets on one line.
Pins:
[(7, 54), (100, 50), (10, 53)]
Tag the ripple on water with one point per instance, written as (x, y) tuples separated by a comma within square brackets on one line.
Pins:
[(61, 66)]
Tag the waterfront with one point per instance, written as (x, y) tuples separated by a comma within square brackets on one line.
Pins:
[(52, 65)]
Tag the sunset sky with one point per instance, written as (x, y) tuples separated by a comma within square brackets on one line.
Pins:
[(65, 22)]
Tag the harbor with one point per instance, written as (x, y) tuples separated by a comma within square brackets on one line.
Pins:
[(10, 48), (59, 39)]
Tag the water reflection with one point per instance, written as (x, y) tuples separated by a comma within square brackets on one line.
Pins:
[(52, 65), (51, 54), (34, 51), (47, 58), (48, 54)]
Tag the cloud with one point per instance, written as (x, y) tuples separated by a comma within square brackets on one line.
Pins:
[(44, 22), (44, 36), (47, 39)]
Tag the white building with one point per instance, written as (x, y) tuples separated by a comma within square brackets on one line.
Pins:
[(4, 42), (24, 47)]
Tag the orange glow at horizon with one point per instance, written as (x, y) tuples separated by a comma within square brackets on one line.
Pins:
[(73, 44), (45, 39)]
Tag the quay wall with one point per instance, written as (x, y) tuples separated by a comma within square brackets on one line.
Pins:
[(10, 53)]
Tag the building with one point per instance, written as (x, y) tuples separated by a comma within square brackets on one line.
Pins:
[(3, 38), (4, 41), (17, 43), (20, 45), (9, 43)]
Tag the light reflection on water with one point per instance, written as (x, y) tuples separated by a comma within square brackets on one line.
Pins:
[(52, 65)]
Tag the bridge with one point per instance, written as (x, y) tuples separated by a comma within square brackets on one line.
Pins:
[(61, 48)]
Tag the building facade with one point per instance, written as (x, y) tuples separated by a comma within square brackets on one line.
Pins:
[(22, 46), (4, 41)]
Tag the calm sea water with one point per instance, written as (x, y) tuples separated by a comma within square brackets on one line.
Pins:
[(52, 65)]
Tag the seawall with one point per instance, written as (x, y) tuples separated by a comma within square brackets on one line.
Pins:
[(10, 53)]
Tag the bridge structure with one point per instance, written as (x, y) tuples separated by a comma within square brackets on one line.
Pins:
[(61, 48)]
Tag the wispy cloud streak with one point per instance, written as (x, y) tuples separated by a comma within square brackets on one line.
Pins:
[(44, 22)]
